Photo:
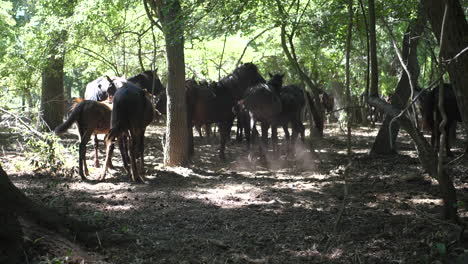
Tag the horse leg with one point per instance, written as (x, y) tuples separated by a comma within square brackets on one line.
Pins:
[(96, 146), (141, 150), (238, 131), (274, 139), (449, 127), (208, 130), (286, 131), (198, 128), (123, 147), (224, 128), (83, 168), (132, 151), (107, 164), (263, 144)]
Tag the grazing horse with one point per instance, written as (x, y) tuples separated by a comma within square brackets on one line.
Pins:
[(91, 118), (264, 104), (131, 114), (432, 117), (148, 80), (99, 90)]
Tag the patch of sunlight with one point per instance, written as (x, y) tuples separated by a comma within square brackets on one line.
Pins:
[(311, 252), (426, 201), (118, 207), (372, 205), (360, 151), (336, 253), (365, 132), (228, 196), (409, 153)]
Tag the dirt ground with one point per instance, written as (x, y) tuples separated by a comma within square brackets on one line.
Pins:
[(241, 212)]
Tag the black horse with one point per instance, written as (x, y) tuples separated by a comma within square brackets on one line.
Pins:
[(148, 80), (432, 117), (293, 102), (264, 105)]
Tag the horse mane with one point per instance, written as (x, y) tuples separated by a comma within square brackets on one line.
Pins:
[(242, 78), (146, 80), (76, 101)]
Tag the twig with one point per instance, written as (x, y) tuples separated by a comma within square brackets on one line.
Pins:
[(34, 131), (345, 195)]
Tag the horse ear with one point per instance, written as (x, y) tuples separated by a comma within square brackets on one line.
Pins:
[(108, 78), (271, 75)]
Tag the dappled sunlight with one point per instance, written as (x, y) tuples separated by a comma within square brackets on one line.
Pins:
[(228, 196)]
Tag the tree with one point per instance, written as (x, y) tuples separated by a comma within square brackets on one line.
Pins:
[(14, 204), (385, 142), (176, 150), (52, 98), (454, 50)]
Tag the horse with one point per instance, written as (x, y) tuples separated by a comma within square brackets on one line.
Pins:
[(431, 115), (264, 104), (131, 114), (101, 89), (91, 117), (293, 102), (148, 80)]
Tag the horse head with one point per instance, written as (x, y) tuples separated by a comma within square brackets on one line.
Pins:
[(276, 81)]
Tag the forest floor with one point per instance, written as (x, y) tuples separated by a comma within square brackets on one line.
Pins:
[(241, 212)]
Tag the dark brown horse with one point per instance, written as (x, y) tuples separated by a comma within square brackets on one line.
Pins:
[(131, 114), (432, 116), (293, 102), (264, 104)]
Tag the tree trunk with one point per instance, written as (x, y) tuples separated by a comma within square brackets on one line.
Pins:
[(455, 41), (347, 73), (11, 237), (176, 150), (52, 99), (384, 143), (426, 154)]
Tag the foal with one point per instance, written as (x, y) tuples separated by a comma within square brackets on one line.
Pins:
[(91, 118)]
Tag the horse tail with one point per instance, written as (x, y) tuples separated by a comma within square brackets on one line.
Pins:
[(116, 124), (74, 116)]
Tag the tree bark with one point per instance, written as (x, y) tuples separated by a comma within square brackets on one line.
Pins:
[(14, 204), (347, 73), (385, 142), (455, 42), (52, 98), (176, 150)]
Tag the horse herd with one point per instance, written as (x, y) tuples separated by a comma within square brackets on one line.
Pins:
[(122, 109)]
